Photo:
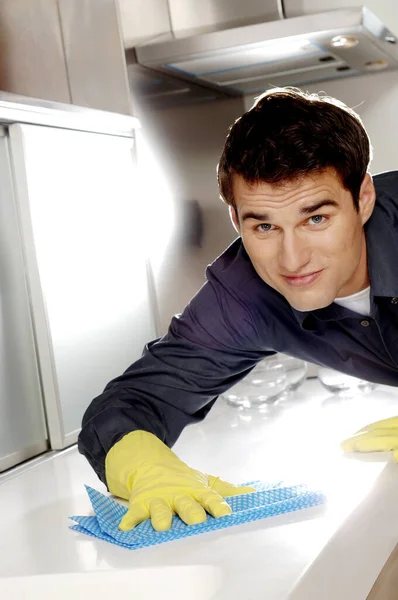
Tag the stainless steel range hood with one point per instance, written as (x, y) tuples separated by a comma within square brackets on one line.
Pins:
[(293, 51)]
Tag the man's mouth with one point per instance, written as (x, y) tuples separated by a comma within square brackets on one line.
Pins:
[(303, 280)]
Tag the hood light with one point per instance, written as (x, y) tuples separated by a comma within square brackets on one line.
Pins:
[(341, 41), (376, 65)]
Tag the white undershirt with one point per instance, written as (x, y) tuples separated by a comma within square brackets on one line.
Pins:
[(359, 302)]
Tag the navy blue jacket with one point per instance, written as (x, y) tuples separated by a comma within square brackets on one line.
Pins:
[(235, 320)]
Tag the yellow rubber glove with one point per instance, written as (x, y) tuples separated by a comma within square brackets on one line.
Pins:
[(141, 469), (381, 436)]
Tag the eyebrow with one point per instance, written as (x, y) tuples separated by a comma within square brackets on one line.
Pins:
[(304, 210)]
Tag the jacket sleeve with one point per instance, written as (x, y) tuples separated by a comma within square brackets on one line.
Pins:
[(208, 348)]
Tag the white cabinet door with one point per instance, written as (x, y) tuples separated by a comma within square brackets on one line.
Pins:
[(82, 231), (22, 423)]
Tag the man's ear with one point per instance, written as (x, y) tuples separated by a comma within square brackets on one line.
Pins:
[(367, 198), (234, 218)]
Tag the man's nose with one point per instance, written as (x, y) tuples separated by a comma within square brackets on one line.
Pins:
[(294, 253)]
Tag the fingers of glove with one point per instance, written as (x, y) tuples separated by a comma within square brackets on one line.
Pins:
[(213, 503), (161, 514), (371, 441), (190, 511), (228, 489), (135, 514), (390, 423)]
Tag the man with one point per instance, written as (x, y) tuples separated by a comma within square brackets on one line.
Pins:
[(313, 274)]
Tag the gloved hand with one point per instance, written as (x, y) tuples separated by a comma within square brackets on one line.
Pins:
[(141, 469), (381, 436)]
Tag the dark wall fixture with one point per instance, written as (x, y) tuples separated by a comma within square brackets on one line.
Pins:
[(191, 223)]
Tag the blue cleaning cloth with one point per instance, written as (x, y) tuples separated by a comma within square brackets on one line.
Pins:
[(266, 501)]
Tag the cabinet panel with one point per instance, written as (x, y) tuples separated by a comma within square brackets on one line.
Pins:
[(32, 55), (22, 424), (80, 216)]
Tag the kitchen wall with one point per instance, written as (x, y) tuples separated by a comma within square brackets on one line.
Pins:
[(187, 143)]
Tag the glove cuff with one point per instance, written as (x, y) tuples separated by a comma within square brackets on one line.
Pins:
[(128, 455)]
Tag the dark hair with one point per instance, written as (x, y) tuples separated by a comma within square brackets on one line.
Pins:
[(288, 134)]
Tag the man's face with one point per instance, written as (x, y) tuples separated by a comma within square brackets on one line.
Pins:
[(305, 239)]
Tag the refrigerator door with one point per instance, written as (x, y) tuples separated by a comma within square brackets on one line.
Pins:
[(22, 423), (82, 228)]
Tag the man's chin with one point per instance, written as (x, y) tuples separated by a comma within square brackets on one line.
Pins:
[(309, 305)]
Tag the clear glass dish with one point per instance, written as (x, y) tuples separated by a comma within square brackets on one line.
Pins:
[(264, 385), (296, 370), (343, 385)]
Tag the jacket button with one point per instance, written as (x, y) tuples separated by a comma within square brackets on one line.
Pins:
[(394, 300), (365, 323)]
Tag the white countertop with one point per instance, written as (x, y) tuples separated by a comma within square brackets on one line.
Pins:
[(333, 551)]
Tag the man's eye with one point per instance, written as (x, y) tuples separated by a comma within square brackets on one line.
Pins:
[(317, 219), (264, 227)]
